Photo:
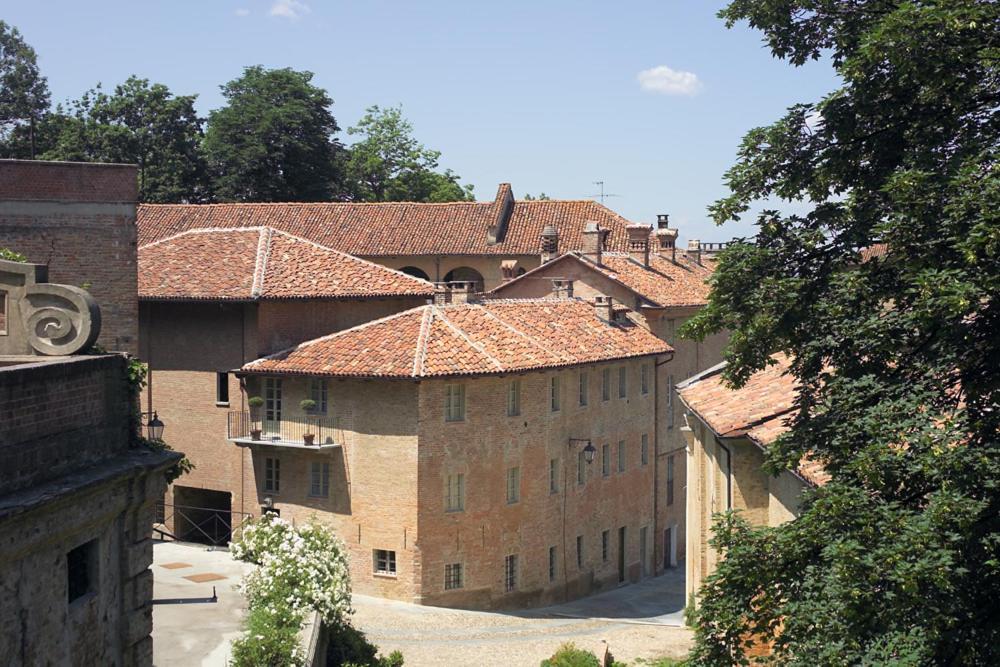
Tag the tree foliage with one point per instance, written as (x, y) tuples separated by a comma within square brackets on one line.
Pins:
[(24, 92), (139, 124), (897, 559), (274, 140), (388, 164)]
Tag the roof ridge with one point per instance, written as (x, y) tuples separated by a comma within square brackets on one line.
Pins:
[(465, 337), (200, 230), (420, 351), (335, 334), (260, 266), (269, 204)]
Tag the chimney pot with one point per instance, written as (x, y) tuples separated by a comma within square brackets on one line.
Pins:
[(663, 221), (562, 288), (457, 291), (667, 243), (638, 243), (550, 242), (694, 250), (604, 305), (593, 241)]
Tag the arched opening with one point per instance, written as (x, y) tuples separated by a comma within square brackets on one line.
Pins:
[(465, 274), (521, 271), (415, 272)]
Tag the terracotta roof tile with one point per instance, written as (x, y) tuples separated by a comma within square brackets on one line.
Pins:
[(261, 263), (399, 228), (468, 339), (758, 410)]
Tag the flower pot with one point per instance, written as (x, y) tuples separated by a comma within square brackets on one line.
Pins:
[(255, 434), (308, 438)]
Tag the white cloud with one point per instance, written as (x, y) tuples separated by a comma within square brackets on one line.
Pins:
[(662, 79), (289, 9), (242, 11)]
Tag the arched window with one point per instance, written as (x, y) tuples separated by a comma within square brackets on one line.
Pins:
[(415, 272), (465, 274)]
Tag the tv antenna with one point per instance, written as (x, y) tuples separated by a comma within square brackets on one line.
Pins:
[(602, 194)]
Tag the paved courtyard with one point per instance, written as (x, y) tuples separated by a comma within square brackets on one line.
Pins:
[(637, 621)]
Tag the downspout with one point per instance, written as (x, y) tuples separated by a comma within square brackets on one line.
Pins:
[(656, 460)]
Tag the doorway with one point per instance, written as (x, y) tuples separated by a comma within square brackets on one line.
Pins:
[(670, 546), (202, 515), (643, 566), (272, 406), (621, 554)]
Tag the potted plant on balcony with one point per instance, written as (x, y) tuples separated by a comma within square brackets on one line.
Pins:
[(255, 403), (309, 407)]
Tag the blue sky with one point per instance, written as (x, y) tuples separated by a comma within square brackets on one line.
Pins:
[(544, 94)]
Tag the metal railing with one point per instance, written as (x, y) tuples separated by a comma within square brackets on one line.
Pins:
[(206, 525), (324, 430)]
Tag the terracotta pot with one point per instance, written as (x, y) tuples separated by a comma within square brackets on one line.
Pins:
[(255, 434), (308, 438)]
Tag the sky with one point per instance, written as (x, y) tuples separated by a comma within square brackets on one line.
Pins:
[(650, 96)]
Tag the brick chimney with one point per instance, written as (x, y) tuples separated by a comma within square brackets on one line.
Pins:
[(604, 305), (562, 288), (508, 268), (457, 291), (666, 241), (694, 250), (638, 243), (593, 241), (550, 243), (663, 221)]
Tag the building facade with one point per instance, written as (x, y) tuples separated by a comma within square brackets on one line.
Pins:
[(490, 455), (666, 286)]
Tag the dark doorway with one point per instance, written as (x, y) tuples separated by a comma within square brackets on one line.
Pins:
[(415, 272), (621, 554), (202, 515)]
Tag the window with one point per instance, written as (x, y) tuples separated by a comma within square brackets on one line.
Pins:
[(579, 552), (81, 570), (555, 393), (552, 563), (222, 388), (606, 459), (454, 402), (621, 456), (514, 398), (584, 389), (452, 576), (272, 474), (272, 405), (622, 382), (553, 475), (384, 562), (605, 539), (606, 384), (3, 313), (513, 485), (454, 500), (318, 393), (644, 378), (644, 449), (510, 573), (670, 479), (581, 467), (319, 480), (670, 401)]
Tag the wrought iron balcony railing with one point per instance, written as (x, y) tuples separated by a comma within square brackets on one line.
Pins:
[(314, 431)]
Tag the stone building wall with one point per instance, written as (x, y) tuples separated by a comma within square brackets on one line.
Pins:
[(80, 220)]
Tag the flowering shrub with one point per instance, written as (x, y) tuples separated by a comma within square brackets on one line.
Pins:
[(303, 568)]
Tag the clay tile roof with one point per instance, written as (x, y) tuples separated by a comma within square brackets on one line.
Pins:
[(498, 336), (252, 263), (757, 410), (399, 228)]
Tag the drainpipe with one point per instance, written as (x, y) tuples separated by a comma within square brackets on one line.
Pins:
[(656, 460)]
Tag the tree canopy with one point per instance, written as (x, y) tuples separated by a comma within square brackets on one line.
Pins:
[(388, 164), (24, 92), (274, 139), (897, 559)]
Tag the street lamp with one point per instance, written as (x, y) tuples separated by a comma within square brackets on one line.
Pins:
[(155, 428), (588, 453)]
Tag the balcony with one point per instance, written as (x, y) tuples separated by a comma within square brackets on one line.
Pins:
[(288, 432)]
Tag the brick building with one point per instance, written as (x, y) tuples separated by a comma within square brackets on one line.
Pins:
[(480, 242), (79, 219), (214, 299), (451, 448), (665, 286), (729, 430)]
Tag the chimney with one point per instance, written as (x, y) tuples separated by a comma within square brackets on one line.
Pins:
[(442, 294), (667, 243), (508, 267), (550, 243), (457, 291), (604, 305), (694, 250), (593, 241), (562, 288), (638, 243), (663, 221)]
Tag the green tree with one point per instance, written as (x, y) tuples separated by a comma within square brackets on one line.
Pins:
[(388, 164), (274, 140), (897, 559), (139, 124), (541, 197), (24, 92)]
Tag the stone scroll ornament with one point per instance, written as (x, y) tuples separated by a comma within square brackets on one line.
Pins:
[(54, 319)]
